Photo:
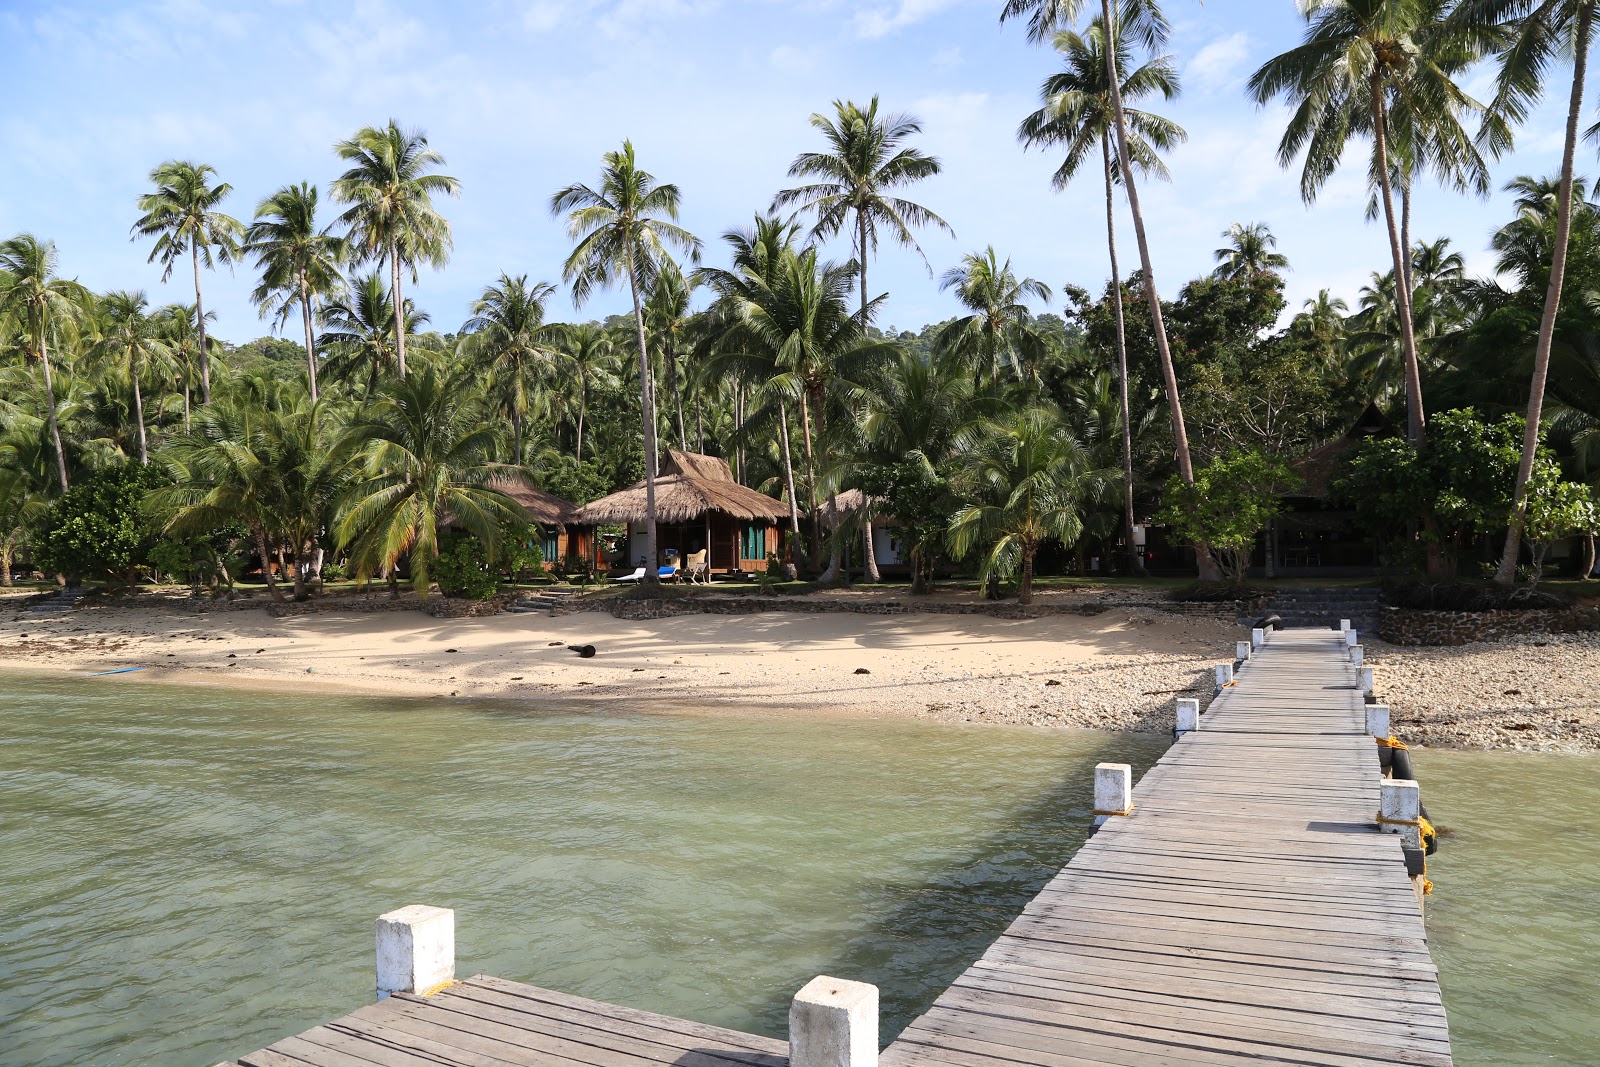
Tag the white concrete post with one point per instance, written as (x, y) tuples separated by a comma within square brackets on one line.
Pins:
[(1224, 674), (834, 1023), (1344, 624), (1258, 637), (1113, 791), (1399, 804), (1188, 715), (1366, 680), (416, 949), (1378, 720), (1241, 650), (1358, 655), (1350, 638)]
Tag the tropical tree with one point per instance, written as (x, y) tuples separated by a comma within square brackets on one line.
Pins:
[(44, 309), (1079, 113), (587, 349), (130, 342), (669, 324), (508, 337), (22, 505), (183, 215), (299, 263), (180, 331), (1249, 251), (1000, 328), (391, 217), (428, 460), (866, 159), (1325, 312), (1028, 480), (624, 229), (360, 331)]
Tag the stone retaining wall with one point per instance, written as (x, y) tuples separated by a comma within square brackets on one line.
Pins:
[(750, 605), (1408, 626)]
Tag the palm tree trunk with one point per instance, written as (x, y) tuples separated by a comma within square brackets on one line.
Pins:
[(266, 565), (699, 425), (738, 429), (1405, 241), (861, 250), (868, 553), (1584, 574), (6, 549), (200, 320), (1415, 419), (186, 403), (811, 479), (311, 345), (50, 405), (647, 402), (788, 474), (138, 417), (1025, 589), (1507, 572), (1204, 561), (583, 409), (676, 386), (399, 309), (1135, 563)]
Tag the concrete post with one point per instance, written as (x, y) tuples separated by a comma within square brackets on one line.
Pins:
[(1350, 638), (1399, 804), (1258, 637), (1188, 715), (1366, 682), (1344, 624), (834, 1023), (1358, 655), (1224, 674), (1241, 650), (1113, 791), (1378, 720), (416, 949)]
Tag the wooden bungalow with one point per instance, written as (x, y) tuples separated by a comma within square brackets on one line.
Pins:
[(564, 535), (699, 506)]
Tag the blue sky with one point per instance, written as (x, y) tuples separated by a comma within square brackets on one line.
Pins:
[(522, 98)]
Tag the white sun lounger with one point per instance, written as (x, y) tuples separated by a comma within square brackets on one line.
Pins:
[(634, 577)]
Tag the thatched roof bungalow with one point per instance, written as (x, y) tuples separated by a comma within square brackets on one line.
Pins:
[(699, 505), (564, 535)]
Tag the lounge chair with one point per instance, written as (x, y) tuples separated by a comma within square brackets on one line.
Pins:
[(669, 571), (695, 568), (634, 577)]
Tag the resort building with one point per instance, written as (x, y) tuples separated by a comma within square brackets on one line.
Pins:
[(563, 535)]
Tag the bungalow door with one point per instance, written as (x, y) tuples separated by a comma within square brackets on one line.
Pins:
[(724, 544)]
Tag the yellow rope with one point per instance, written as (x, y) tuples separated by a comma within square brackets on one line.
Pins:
[(1427, 832), (1227, 684), (1391, 742), (431, 990), (1126, 811)]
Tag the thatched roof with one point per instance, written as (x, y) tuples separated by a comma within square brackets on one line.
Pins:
[(1319, 467), (689, 487), (542, 507)]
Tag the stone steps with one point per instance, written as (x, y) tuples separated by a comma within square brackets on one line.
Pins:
[(548, 600), (1326, 607)]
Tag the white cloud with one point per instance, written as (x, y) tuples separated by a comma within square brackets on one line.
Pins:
[(1220, 64), (882, 21)]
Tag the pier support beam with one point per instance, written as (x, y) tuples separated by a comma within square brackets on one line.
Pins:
[(416, 949), (834, 1023), (1258, 637), (1187, 718), (1113, 791), (1399, 805)]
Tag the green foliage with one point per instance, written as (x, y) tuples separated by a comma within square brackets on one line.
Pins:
[(1555, 509), (97, 529), (521, 558), (922, 503), (1233, 497), (462, 568), (582, 482)]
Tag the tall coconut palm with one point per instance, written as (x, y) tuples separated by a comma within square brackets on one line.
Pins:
[(866, 159), (1249, 251), (1382, 69), (1079, 113), (624, 229), (429, 457), (669, 323), (587, 349), (391, 217), (1000, 328), (508, 337), (360, 331), (44, 309), (299, 263), (1541, 33), (131, 343), (183, 215)]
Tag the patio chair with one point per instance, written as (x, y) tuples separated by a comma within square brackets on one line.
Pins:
[(669, 570), (696, 569), (634, 577)]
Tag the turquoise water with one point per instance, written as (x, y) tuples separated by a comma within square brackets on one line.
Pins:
[(187, 874)]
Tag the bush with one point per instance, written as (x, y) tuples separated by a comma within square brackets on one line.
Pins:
[(1468, 596), (522, 560), (1233, 497), (462, 568), (97, 529)]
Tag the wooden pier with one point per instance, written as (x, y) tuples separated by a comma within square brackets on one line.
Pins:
[(1244, 908)]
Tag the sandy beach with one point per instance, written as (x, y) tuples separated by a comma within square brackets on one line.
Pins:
[(1117, 670)]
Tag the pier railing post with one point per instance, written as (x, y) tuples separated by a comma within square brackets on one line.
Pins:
[(1113, 791), (1186, 719), (1366, 683), (416, 949), (1378, 721), (1258, 637), (1399, 807), (834, 1023), (1351, 638), (1241, 650), (1224, 674), (1358, 655), (1344, 625)]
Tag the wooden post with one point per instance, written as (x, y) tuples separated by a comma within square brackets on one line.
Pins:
[(1188, 715), (1113, 791), (1241, 650), (1358, 655), (1399, 805), (416, 949), (1378, 720), (1258, 637), (834, 1023)]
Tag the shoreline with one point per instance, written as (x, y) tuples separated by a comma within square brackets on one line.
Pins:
[(1119, 670)]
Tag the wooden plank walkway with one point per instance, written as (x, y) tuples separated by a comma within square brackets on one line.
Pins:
[(1246, 911)]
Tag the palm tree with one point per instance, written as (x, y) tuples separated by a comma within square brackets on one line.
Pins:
[(865, 160), (1249, 251), (1382, 69), (360, 331), (180, 330), (509, 338), (131, 341), (182, 214), (429, 457), (1079, 113), (1325, 312), (624, 228), (22, 505), (1000, 328), (1030, 480), (1541, 32), (391, 217), (669, 322), (299, 263), (588, 350), (44, 307)]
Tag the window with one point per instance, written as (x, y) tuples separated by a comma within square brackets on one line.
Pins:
[(753, 542), (552, 545)]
